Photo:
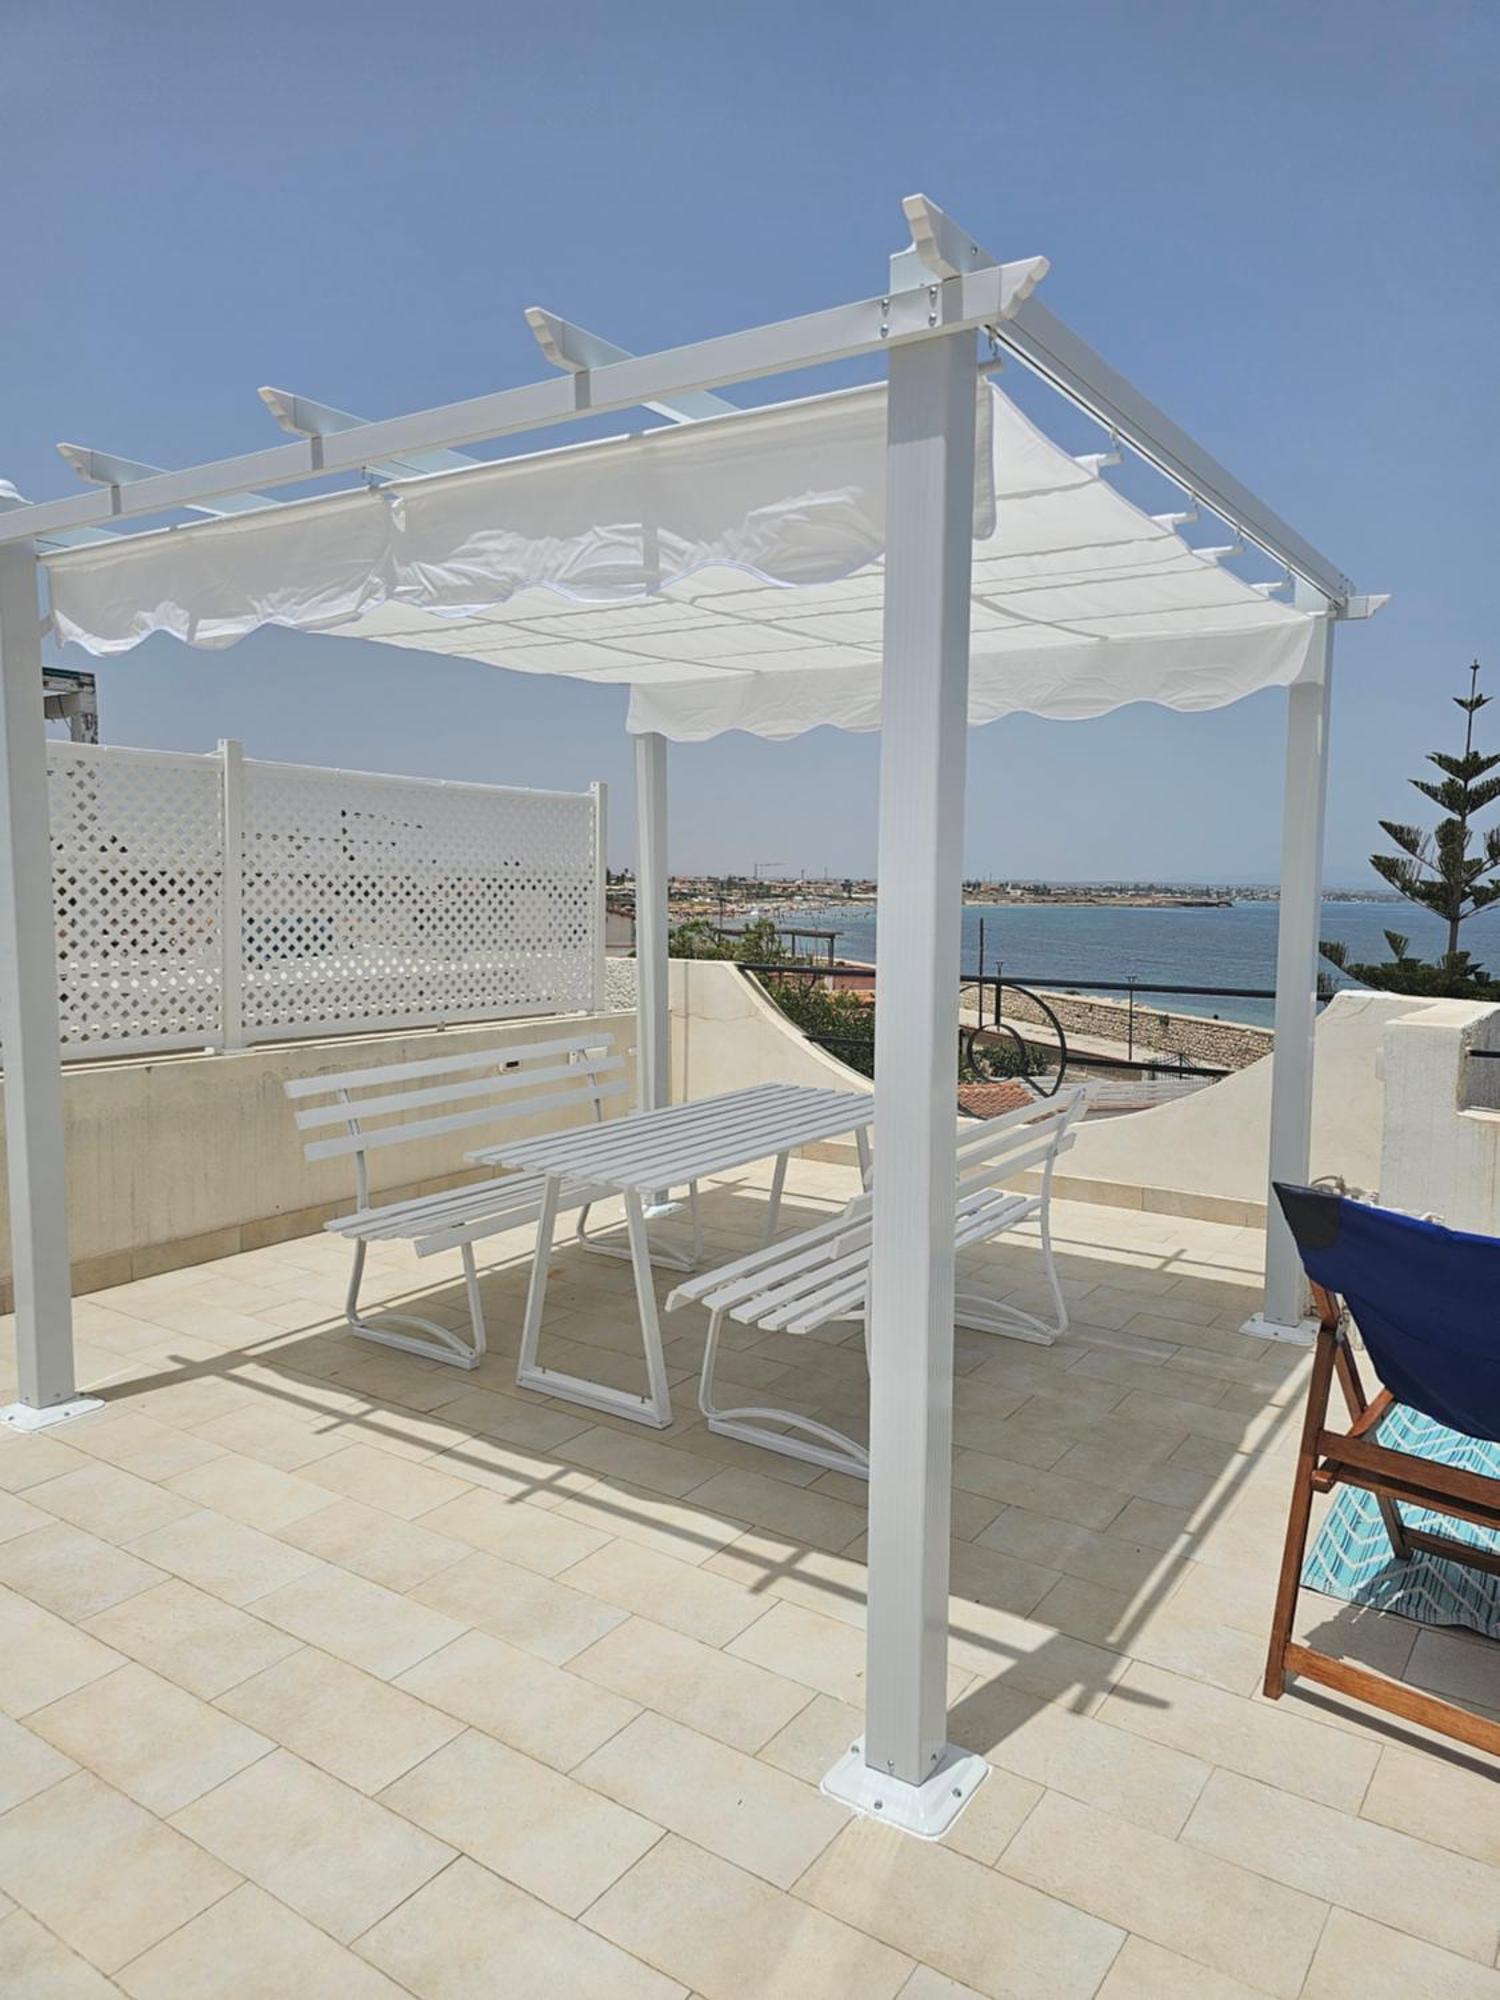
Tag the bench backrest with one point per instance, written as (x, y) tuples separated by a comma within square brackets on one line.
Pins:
[(1033, 1135), (365, 1110)]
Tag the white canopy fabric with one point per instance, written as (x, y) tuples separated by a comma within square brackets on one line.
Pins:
[(729, 571)]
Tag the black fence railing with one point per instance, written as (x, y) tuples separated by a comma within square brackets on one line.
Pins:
[(977, 1043)]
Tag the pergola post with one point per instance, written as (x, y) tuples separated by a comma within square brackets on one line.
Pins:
[(905, 1769), (653, 1019), (29, 1020), (1283, 1314)]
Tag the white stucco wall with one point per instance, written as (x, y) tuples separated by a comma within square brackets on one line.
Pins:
[(1441, 1148), (176, 1159), (1212, 1148)]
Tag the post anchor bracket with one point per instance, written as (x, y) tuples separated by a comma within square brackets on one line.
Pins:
[(1302, 1334), (927, 1810), (22, 1417)]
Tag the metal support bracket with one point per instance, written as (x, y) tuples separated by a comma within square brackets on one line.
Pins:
[(304, 418), (104, 468), (576, 350), (927, 1810)]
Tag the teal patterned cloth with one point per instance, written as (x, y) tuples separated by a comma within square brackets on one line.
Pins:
[(1352, 1556)]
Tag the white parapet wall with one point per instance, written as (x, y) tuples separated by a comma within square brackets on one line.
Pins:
[(726, 1035), (1207, 1155), (1440, 1150), (173, 1160)]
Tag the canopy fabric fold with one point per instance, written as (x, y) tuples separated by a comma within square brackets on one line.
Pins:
[(729, 572)]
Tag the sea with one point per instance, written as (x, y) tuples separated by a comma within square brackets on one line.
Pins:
[(1060, 944)]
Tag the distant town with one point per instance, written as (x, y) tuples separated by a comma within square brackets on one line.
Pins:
[(732, 898)]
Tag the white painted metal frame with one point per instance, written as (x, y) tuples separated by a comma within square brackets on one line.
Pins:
[(670, 1147), (1285, 1313), (822, 1275), (941, 291)]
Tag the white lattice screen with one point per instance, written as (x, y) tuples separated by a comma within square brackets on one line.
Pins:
[(371, 899), (363, 902), (137, 879)]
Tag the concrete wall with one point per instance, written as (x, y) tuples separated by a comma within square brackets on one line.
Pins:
[(1441, 1149), (1227, 1043), (726, 1035), (1207, 1154), (176, 1159)]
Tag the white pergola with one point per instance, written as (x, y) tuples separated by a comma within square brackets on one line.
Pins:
[(913, 557)]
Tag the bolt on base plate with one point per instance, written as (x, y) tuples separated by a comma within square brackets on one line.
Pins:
[(927, 1810), (21, 1416)]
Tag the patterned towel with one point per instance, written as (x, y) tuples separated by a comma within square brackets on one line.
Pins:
[(1352, 1556)]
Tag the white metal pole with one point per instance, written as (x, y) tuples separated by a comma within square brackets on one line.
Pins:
[(653, 1030), (29, 1018), (598, 998), (232, 897), (905, 1769), (1298, 927)]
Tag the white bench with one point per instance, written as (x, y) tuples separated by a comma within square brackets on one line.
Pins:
[(823, 1274), (372, 1109)]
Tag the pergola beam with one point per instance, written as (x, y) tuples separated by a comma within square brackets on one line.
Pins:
[(839, 333)]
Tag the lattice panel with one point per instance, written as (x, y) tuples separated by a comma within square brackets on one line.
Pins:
[(137, 859), (374, 901)]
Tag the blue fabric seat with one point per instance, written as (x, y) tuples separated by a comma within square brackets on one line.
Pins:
[(1426, 1301)]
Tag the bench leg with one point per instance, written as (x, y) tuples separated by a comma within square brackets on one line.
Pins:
[(983, 1314), (431, 1341), (773, 1206), (820, 1445)]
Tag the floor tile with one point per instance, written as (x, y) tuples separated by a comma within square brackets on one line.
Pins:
[(719, 1798), (685, 1529), (684, 1596), (1080, 1755), (42, 1657), (1445, 1898), (250, 1947), (336, 1857), (732, 1700), (223, 1557), (346, 1722), (551, 1714), (361, 1622), (1360, 1960), (381, 1479), (28, 1764), (109, 1503), (202, 1643), (148, 1738), (537, 1538), (26, 1461), (1254, 1737), (102, 1873), (72, 1573), (1224, 1916), (36, 1965), (793, 1511), (536, 1613), (1144, 1971), (523, 1820), (729, 1936), (471, 1936), (374, 1544), (260, 1496), (983, 1929)]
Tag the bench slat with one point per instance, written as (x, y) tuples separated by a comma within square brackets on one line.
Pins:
[(363, 1079), (505, 1083), (429, 1128)]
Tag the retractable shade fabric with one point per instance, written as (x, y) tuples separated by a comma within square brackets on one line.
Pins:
[(729, 572)]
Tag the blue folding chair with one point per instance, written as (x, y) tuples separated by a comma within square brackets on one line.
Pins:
[(1426, 1301)]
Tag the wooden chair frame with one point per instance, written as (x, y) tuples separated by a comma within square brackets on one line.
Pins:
[(1330, 1458)]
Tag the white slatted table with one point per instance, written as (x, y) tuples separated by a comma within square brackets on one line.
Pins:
[(636, 1157)]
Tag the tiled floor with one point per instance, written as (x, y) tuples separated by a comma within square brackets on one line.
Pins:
[(329, 1671)]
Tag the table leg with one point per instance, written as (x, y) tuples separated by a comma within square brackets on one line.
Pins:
[(645, 1292)]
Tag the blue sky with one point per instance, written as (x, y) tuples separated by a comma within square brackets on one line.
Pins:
[(1279, 220)]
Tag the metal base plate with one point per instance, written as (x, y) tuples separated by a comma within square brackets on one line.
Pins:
[(1303, 1334), (21, 1416), (927, 1810)]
